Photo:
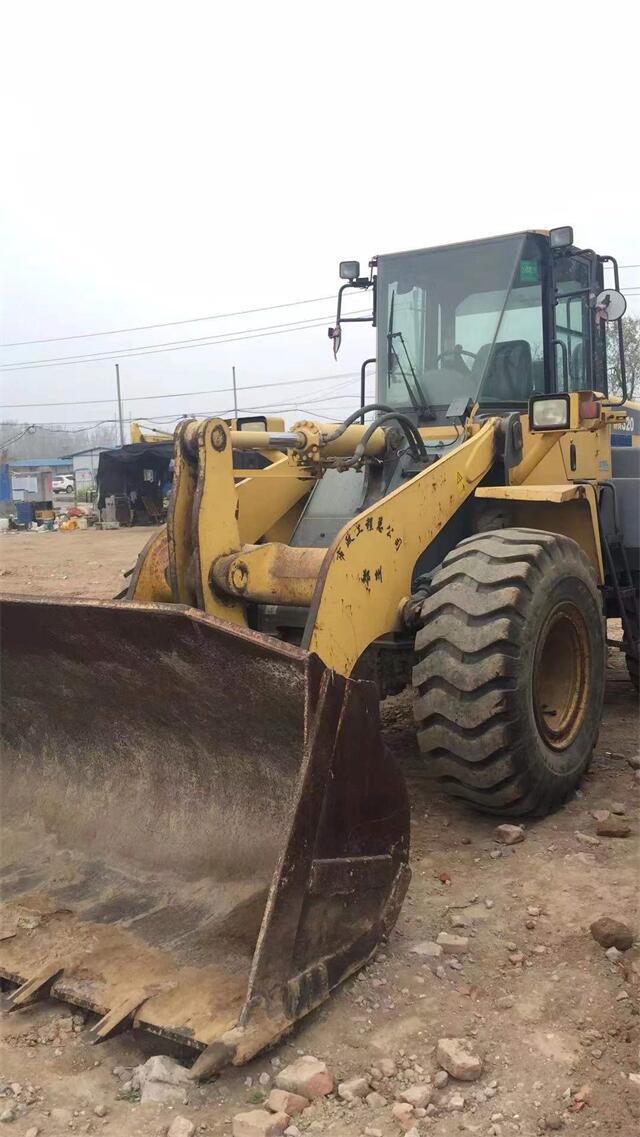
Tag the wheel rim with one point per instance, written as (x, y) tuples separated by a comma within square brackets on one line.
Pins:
[(561, 676)]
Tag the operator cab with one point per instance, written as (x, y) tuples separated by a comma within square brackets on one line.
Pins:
[(492, 322)]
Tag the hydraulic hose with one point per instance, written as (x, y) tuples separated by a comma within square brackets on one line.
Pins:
[(416, 445), (361, 411)]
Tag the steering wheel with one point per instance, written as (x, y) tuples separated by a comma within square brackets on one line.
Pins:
[(456, 351)]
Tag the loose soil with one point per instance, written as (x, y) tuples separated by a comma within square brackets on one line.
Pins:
[(562, 1018)]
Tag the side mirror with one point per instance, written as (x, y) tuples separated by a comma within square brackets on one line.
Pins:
[(610, 305), (349, 270)]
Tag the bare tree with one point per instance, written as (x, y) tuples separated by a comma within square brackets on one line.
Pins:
[(631, 335), (28, 440)]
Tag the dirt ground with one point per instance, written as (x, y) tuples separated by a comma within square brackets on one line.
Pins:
[(547, 1010)]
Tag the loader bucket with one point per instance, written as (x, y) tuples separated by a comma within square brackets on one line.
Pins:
[(201, 831)]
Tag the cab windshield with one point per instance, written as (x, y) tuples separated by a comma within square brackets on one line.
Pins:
[(462, 321)]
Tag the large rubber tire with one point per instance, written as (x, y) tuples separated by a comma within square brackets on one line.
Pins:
[(632, 669), (510, 671), (632, 662)]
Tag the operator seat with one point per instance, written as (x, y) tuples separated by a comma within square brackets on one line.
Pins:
[(507, 369)]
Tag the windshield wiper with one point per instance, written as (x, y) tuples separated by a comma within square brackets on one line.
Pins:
[(419, 403)]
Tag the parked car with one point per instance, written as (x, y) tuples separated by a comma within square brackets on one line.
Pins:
[(63, 483)]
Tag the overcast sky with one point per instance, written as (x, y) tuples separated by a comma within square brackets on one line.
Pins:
[(169, 161)]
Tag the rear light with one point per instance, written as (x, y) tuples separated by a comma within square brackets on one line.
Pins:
[(589, 408)]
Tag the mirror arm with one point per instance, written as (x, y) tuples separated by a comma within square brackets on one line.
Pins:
[(360, 285), (363, 380)]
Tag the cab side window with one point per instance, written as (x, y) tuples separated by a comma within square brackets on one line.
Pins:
[(573, 324)]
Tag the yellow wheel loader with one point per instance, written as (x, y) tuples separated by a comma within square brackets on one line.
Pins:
[(202, 832)]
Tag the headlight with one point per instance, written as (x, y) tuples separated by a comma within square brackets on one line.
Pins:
[(549, 414)]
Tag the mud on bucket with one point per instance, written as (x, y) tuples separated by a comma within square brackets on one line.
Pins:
[(201, 831)]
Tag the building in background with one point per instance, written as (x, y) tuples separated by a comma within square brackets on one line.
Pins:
[(85, 467), (31, 477)]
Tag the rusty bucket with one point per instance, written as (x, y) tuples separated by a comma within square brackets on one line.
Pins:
[(201, 831)]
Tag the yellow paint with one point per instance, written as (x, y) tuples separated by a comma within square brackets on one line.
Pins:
[(560, 493), (265, 499), (368, 568), (149, 578), (270, 574), (568, 509), (179, 518), (215, 522)]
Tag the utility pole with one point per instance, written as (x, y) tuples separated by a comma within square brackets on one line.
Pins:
[(235, 394), (119, 405)]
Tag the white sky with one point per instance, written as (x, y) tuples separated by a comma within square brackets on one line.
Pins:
[(165, 161)]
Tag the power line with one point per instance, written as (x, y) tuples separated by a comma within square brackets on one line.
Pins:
[(174, 345), (88, 424), (170, 323), (185, 394)]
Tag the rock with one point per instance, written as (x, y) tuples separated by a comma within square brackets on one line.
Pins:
[(458, 1057), (459, 920), (61, 1117), (612, 933), (554, 1122), (634, 762), (613, 827), (32, 1132), (264, 1079), (418, 1096), (635, 1080), (600, 814), (584, 1094), (283, 1101), (631, 967), (101, 1111), (618, 807), (307, 1076), (257, 1123), (533, 911), (505, 1002), (402, 1112), (154, 1092), (353, 1089), (453, 945), (613, 954), (455, 1102), (371, 1131), (375, 1100), (8, 1115), (488, 903), (161, 1068), (440, 1079), (586, 839), (508, 834), (388, 1067), (427, 949), (181, 1127), (292, 1131), (516, 958)]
